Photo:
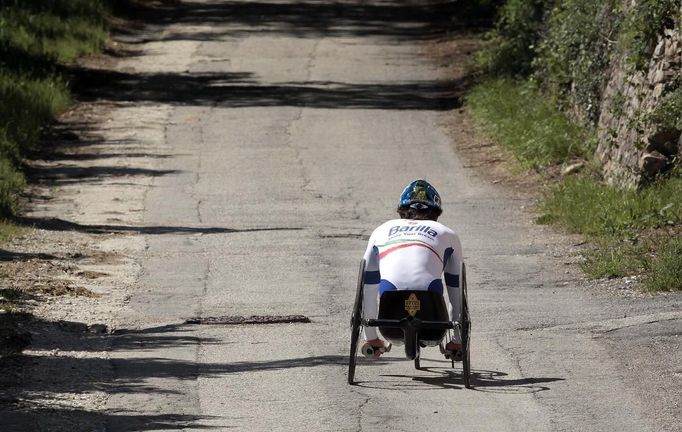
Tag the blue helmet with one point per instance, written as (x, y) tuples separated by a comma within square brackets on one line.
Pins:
[(420, 194)]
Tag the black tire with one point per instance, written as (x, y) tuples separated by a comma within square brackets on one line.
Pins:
[(356, 325), (466, 333), (411, 345)]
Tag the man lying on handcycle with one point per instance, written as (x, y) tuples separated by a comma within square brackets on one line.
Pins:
[(411, 253)]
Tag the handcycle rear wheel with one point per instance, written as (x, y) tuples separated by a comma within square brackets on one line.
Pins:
[(356, 325), (466, 333)]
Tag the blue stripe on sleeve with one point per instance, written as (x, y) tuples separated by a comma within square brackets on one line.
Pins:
[(372, 277), (446, 256), (451, 280)]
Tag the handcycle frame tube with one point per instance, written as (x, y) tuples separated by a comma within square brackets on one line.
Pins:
[(411, 327), (414, 323)]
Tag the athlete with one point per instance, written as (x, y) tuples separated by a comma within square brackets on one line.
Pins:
[(412, 253)]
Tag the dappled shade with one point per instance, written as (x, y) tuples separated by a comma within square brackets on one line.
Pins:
[(239, 90)]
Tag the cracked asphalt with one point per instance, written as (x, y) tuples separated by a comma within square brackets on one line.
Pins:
[(275, 136)]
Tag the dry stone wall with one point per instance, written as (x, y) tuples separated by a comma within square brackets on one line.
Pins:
[(631, 149)]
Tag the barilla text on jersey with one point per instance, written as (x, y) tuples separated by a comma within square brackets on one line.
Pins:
[(425, 229)]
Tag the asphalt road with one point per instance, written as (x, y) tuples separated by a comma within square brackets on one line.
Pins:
[(288, 130)]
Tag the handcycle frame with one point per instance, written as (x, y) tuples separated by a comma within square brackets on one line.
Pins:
[(411, 327)]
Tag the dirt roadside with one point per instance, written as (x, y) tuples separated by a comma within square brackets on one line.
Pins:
[(85, 204), (71, 272)]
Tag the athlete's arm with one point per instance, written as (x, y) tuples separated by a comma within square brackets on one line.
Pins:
[(370, 305), (451, 273)]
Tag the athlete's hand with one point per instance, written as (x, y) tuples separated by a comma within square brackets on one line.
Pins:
[(453, 351), (376, 343)]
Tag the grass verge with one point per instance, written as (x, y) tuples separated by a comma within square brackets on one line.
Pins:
[(631, 232), (37, 38), (634, 232), (657, 259), (584, 205), (519, 118)]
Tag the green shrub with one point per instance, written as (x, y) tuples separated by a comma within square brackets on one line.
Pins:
[(567, 45), (511, 45), (644, 23), (575, 52), (520, 119), (668, 113)]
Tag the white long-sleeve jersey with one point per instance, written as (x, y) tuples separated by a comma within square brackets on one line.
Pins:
[(412, 254)]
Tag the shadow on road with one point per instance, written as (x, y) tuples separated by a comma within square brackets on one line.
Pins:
[(391, 20), (26, 380), (230, 90), (44, 418), (64, 175), (481, 380), (63, 156), (60, 372)]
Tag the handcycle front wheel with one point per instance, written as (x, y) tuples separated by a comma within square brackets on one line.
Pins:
[(356, 325)]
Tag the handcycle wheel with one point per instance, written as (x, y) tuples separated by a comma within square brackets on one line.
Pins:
[(356, 325), (411, 345), (466, 333)]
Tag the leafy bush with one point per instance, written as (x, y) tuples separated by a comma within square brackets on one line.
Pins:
[(668, 114), (567, 45), (644, 23), (511, 45), (575, 52)]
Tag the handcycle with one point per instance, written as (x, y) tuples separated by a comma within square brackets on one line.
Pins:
[(416, 319)]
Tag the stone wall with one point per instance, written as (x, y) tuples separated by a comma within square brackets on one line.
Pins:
[(631, 149)]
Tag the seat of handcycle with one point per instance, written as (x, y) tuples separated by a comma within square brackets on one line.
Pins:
[(424, 305)]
